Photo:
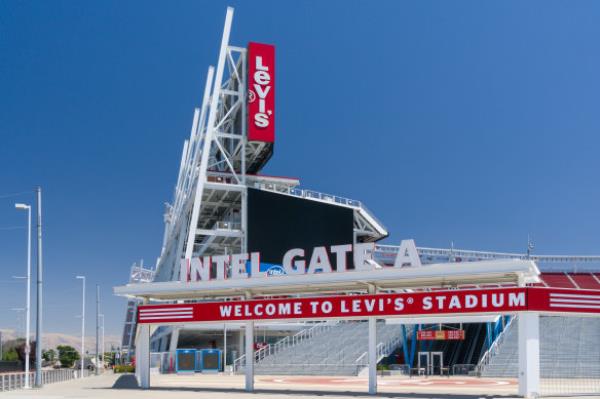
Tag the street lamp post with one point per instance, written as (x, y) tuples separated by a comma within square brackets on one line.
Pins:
[(28, 294), (97, 328), (82, 325), (102, 342), (38, 324)]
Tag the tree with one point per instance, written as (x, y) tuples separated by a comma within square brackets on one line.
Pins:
[(67, 355), (10, 355), (49, 355)]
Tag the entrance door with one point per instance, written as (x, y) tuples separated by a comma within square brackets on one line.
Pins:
[(436, 363), (423, 363)]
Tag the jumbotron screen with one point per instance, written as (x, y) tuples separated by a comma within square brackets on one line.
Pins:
[(278, 223)]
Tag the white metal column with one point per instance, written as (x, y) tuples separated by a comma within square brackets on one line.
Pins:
[(529, 354), (142, 356), (173, 341), (372, 351), (249, 334), (372, 355)]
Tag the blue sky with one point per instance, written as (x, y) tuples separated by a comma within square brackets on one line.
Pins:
[(473, 122)]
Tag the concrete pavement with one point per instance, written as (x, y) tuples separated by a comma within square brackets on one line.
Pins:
[(213, 386)]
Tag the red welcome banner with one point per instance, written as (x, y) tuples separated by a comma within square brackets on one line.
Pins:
[(503, 300), (261, 92), (453, 302), (440, 335)]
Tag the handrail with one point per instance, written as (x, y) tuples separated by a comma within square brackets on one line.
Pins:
[(286, 342), (494, 348), (382, 349), (391, 250), (13, 381)]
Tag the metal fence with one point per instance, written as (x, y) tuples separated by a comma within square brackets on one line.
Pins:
[(12, 381)]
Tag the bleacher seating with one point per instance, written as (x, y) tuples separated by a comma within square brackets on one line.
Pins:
[(586, 281), (557, 280), (569, 348), (336, 351)]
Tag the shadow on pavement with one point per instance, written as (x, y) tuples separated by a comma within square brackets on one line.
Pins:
[(126, 381)]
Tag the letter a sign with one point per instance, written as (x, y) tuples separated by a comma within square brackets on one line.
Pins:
[(261, 92)]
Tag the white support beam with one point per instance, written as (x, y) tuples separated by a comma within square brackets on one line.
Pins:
[(210, 129), (219, 233), (529, 354), (372, 349), (142, 356), (372, 356), (249, 346)]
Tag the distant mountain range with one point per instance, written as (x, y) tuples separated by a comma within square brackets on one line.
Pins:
[(52, 340)]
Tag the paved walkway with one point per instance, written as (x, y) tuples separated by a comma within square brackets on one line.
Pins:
[(207, 386)]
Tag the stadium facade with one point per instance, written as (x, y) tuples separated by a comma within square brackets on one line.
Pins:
[(222, 205)]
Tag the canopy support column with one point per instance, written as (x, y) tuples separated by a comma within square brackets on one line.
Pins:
[(249, 335), (142, 356), (529, 354), (372, 350)]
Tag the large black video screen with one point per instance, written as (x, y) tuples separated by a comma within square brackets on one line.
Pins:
[(278, 223)]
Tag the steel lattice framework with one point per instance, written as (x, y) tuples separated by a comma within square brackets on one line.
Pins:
[(208, 215)]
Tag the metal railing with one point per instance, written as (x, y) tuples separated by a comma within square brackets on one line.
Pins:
[(316, 195), (494, 348), (287, 342), (13, 381), (464, 369), (382, 350)]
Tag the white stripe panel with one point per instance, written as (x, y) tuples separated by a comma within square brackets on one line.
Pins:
[(557, 305), (165, 317), (166, 314), (164, 309), (553, 294), (557, 300)]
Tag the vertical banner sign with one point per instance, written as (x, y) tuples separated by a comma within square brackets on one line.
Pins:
[(261, 92)]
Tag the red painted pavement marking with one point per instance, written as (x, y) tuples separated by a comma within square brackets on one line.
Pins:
[(391, 382)]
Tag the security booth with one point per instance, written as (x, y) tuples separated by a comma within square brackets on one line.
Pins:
[(209, 360), (185, 360)]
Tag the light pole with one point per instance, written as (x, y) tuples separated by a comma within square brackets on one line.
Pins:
[(82, 325), (38, 324), (102, 341), (28, 298), (97, 328)]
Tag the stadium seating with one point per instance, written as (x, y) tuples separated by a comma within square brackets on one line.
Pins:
[(588, 281), (339, 350), (569, 348)]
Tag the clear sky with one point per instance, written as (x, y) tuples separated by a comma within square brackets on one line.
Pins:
[(467, 121)]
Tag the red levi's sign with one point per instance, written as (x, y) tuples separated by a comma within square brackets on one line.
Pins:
[(349, 306), (261, 92), (442, 335)]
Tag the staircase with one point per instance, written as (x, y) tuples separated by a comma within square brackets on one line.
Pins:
[(569, 347), (334, 349)]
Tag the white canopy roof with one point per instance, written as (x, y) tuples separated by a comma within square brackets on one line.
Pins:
[(445, 275)]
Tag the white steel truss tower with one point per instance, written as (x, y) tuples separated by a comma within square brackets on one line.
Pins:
[(208, 215)]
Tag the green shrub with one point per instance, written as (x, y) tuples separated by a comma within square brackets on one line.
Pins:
[(124, 368)]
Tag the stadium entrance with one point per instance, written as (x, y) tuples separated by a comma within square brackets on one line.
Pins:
[(377, 294), (243, 249), (432, 363)]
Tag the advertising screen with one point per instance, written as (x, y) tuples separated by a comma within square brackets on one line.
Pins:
[(278, 222)]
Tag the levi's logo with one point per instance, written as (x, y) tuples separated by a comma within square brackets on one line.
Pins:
[(261, 80)]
